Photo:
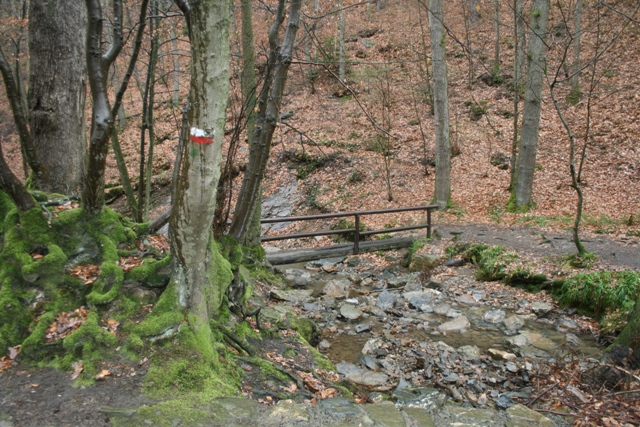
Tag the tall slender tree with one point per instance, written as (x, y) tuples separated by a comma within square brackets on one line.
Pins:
[(536, 66), (442, 195)]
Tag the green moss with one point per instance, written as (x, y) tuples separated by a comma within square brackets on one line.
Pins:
[(153, 273), (165, 315), (32, 346), (14, 316), (244, 330), (231, 250), (305, 327), (220, 276)]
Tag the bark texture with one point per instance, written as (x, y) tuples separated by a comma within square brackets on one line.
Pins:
[(57, 91), (192, 245), (536, 65), (442, 194)]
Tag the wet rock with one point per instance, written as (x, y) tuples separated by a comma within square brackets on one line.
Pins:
[(369, 362), (455, 325), (467, 299), (521, 416), (294, 296), (419, 417), (504, 402), (353, 261), (424, 398), (453, 263), (478, 294), (441, 308), (566, 325), (541, 308), (572, 340), (469, 351), (453, 313), (511, 367), (362, 327), (350, 312), (413, 282), (372, 346), (385, 414), (493, 316), (513, 323), (275, 314), (313, 307), (539, 341), (326, 261), (338, 288), (501, 355), (434, 284), (324, 345), (361, 376), (424, 262), (385, 300), (471, 416), (518, 341)]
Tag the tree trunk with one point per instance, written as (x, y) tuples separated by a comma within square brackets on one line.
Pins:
[(496, 46), (195, 268), (269, 111), (11, 185), (575, 71), (341, 60), (517, 77), (442, 194), (57, 91), (101, 119), (532, 104)]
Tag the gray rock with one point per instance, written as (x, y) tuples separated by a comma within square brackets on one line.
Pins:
[(441, 308), (469, 351), (338, 288), (572, 340), (493, 316), (434, 284), (362, 327), (453, 313), (326, 261), (511, 367), (566, 325), (539, 341), (478, 294), (424, 262), (324, 345), (372, 346), (501, 355), (385, 300), (467, 299), (521, 416), (369, 362), (385, 414), (455, 325), (513, 323), (350, 312), (504, 402), (541, 308), (294, 296), (518, 341), (361, 376)]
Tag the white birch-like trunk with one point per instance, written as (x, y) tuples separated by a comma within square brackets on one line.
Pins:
[(442, 194)]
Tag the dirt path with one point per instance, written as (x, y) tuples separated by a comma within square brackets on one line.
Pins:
[(620, 252)]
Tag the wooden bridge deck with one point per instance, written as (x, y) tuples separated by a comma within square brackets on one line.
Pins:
[(302, 255)]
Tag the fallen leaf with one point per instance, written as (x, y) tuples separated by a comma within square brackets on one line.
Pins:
[(78, 367), (14, 351), (103, 373)]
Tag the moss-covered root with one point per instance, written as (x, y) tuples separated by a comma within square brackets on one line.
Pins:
[(92, 341)]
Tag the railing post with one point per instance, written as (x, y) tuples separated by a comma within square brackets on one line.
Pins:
[(356, 236), (428, 223)]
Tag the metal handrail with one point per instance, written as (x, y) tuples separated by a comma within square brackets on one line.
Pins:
[(355, 230)]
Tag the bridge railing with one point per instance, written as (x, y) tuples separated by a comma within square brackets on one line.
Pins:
[(355, 230)]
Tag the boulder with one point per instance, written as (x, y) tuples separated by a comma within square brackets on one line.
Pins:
[(455, 325), (424, 262)]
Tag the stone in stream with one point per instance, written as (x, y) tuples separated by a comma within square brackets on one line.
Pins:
[(326, 261), (467, 299), (520, 340), (324, 345), (513, 323), (538, 341), (453, 313), (385, 414), (504, 402), (469, 351), (368, 361), (493, 316), (385, 300), (541, 308), (441, 308), (499, 354), (350, 312), (372, 346), (434, 284), (294, 296), (566, 325), (361, 376), (572, 340), (455, 325), (362, 327), (338, 288)]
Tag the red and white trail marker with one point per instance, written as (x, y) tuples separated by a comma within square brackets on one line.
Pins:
[(201, 136)]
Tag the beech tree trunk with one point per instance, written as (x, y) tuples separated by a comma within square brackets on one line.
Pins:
[(575, 76), (442, 194), (101, 118), (536, 64), (57, 91), (269, 111), (191, 238)]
